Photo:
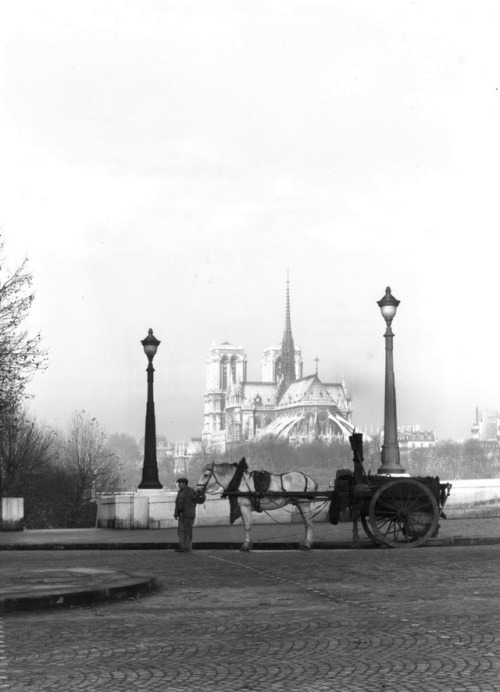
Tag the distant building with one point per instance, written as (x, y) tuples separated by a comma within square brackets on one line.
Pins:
[(283, 405), (183, 454), (175, 456), (411, 437), (486, 427), (164, 450)]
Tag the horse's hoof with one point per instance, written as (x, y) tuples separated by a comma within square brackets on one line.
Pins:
[(304, 547)]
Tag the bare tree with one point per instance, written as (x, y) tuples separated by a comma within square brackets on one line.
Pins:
[(20, 354), (126, 449), (26, 448), (83, 452)]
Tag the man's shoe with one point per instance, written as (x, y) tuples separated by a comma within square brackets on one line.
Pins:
[(180, 550)]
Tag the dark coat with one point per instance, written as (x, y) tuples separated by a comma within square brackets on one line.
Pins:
[(186, 502)]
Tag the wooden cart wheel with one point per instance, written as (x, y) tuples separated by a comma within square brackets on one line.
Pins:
[(365, 522), (403, 513)]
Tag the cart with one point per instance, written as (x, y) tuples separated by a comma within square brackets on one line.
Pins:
[(395, 511)]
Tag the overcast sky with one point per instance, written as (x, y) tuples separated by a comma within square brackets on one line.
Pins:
[(163, 164)]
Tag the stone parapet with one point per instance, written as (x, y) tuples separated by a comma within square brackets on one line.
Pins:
[(155, 510), (474, 498), (12, 518)]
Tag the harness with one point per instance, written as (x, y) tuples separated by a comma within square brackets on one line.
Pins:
[(261, 483), (203, 486)]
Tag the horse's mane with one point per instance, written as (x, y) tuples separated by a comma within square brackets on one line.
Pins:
[(224, 466), (227, 467)]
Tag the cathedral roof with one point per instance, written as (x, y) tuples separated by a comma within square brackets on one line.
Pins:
[(297, 389), (266, 390), (304, 390), (336, 391)]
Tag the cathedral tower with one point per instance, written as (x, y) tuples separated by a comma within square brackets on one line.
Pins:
[(226, 365)]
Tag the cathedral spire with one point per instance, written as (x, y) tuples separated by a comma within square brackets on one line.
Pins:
[(287, 346), (288, 321)]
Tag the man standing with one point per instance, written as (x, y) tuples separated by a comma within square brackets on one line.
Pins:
[(185, 512)]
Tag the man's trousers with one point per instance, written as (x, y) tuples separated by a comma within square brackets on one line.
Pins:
[(185, 532)]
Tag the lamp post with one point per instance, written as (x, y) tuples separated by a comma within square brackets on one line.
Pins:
[(150, 479), (391, 463)]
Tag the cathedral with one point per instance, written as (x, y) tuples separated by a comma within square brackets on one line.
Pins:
[(284, 405)]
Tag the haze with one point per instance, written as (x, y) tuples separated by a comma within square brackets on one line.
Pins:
[(164, 164)]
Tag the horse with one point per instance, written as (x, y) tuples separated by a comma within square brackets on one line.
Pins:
[(235, 478)]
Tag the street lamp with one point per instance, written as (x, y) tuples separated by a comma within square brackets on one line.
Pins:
[(150, 479), (390, 449)]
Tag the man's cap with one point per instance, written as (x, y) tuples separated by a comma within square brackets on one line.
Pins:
[(182, 480)]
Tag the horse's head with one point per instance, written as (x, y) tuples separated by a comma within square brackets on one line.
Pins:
[(205, 476), (215, 476), (207, 480)]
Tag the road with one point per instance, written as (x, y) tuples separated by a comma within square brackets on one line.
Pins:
[(345, 620)]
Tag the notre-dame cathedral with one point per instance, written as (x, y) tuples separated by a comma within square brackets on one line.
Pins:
[(285, 404)]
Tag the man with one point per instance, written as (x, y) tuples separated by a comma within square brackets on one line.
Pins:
[(185, 512)]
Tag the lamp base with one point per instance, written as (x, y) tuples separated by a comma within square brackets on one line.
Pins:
[(150, 485), (391, 471)]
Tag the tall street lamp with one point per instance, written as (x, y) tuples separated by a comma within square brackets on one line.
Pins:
[(391, 463), (150, 479)]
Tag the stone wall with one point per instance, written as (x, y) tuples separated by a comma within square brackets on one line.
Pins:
[(12, 518), (474, 498), (154, 509)]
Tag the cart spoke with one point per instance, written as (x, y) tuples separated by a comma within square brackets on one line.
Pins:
[(389, 503), (396, 532), (423, 519), (403, 513), (423, 506)]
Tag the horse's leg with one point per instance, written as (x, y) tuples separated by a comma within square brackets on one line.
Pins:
[(246, 517), (305, 513)]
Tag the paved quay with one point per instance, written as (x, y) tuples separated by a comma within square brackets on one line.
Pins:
[(422, 620), (59, 586), (275, 536)]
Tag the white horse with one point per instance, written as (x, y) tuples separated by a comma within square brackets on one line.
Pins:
[(221, 475)]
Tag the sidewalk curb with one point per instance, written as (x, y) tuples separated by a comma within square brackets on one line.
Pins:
[(132, 586), (226, 545)]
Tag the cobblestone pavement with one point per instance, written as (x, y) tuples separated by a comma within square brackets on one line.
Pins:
[(480, 529), (346, 621)]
